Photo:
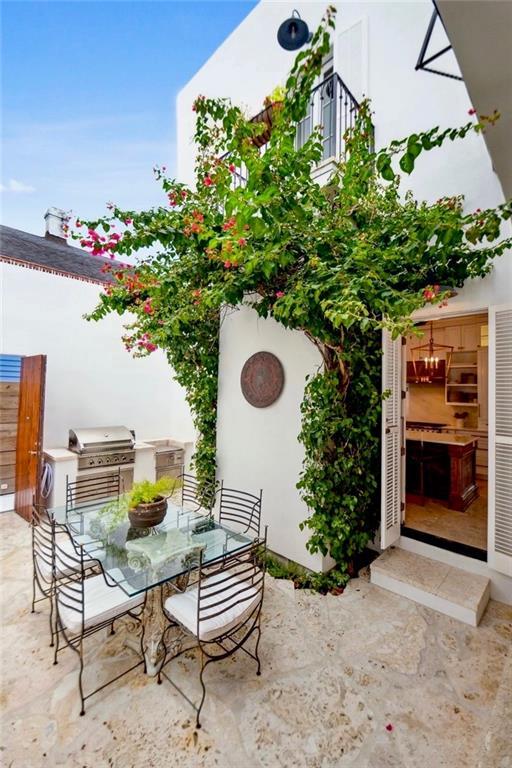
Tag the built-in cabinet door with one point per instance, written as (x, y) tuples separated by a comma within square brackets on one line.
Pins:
[(392, 473), (453, 337), (470, 336), (500, 439), (483, 387)]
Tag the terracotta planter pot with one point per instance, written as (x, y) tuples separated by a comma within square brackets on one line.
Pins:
[(266, 117), (148, 515)]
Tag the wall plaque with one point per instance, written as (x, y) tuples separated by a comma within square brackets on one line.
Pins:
[(262, 379)]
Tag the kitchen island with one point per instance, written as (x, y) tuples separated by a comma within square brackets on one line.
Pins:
[(441, 466)]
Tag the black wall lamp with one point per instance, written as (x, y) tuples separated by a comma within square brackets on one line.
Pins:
[(293, 33)]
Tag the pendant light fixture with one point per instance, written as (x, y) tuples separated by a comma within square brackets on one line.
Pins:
[(427, 364)]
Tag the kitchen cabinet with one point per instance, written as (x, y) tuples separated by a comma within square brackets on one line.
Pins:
[(483, 387), (462, 337)]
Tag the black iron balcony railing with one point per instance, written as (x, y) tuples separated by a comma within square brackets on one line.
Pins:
[(332, 108)]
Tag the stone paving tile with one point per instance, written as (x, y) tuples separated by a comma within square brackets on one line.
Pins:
[(337, 672)]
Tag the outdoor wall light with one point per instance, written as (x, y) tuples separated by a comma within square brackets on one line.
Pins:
[(293, 33)]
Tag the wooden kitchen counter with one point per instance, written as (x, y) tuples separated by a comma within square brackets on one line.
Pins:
[(446, 470)]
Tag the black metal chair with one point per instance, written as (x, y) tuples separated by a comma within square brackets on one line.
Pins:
[(44, 574), (88, 491), (222, 611), (85, 606), (240, 508), (195, 498)]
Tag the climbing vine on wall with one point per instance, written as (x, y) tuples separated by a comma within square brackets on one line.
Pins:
[(338, 262)]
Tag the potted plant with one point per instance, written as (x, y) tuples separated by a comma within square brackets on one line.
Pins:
[(147, 501), (272, 103)]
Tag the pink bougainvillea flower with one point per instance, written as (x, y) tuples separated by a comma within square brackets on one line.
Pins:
[(183, 193), (78, 223), (128, 222), (229, 224), (279, 294), (389, 727), (471, 111), (228, 264), (428, 294), (242, 241), (196, 292), (148, 307), (207, 181), (232, 167)]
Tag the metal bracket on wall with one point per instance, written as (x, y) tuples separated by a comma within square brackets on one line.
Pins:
[(423, 60)]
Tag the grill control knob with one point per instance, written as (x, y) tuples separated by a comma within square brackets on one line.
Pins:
[(91, 462), (100, 461), (123, 458)]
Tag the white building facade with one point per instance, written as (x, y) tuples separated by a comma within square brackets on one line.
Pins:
[(375, 48)]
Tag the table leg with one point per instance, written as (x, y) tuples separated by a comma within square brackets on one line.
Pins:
[(146, 637)]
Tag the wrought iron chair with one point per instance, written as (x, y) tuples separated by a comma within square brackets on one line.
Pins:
[(193, 498), (241, 508), (222, 611), (85, 606), (44, 574), (88, 491)]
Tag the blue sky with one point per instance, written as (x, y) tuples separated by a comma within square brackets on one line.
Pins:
[(88, 98)]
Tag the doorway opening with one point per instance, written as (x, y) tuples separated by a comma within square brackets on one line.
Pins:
[(446, 435)]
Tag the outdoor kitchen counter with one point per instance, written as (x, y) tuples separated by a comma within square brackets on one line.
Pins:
[(438, 437)]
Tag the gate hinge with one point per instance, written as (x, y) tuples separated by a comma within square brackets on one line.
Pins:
[(404, 394), (402, 451), (404, 341), (402, 506)]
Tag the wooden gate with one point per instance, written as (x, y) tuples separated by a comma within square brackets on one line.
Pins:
[(29, 441)]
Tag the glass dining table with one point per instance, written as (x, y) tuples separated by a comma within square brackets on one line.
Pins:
[(147, 561)]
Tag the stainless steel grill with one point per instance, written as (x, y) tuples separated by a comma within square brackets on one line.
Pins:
[(102, 446)]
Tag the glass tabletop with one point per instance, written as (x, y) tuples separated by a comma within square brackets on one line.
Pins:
[(138, 559)]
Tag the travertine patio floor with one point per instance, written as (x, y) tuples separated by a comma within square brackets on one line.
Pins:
[(336, 671)]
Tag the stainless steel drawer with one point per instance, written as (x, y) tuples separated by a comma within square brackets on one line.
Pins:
[(169, 458)]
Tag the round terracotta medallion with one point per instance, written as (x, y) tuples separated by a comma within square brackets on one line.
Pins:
[(262, 379)]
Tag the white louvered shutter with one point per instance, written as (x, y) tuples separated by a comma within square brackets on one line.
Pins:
[(499, 545), (391, 476)]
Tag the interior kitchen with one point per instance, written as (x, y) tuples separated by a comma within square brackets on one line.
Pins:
[(446, 444)]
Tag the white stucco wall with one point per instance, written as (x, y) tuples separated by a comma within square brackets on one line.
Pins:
[(258, 447), (376, 46), (91, 379)]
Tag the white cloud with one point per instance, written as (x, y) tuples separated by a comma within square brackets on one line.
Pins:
[(16, 186)]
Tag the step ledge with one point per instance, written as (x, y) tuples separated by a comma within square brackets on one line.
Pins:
[(430, 600)]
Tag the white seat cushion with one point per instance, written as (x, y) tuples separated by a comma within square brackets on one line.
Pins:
[(65, 567), (101, 603), (183, 607)]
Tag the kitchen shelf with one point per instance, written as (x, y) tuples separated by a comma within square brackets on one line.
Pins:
[(464, 365), (459, 384), (462, 405)]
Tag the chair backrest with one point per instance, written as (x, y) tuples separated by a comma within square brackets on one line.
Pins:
[(43, 532), (241, 508), (193, 497), (87, 491), (230, 592)]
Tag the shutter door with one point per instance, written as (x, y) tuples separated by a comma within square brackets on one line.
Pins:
[(499, 543), (391, 476)]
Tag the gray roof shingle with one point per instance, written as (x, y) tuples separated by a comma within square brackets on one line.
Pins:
[(50, 254)]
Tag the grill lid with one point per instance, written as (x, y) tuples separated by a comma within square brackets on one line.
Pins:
[(96, 439)]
